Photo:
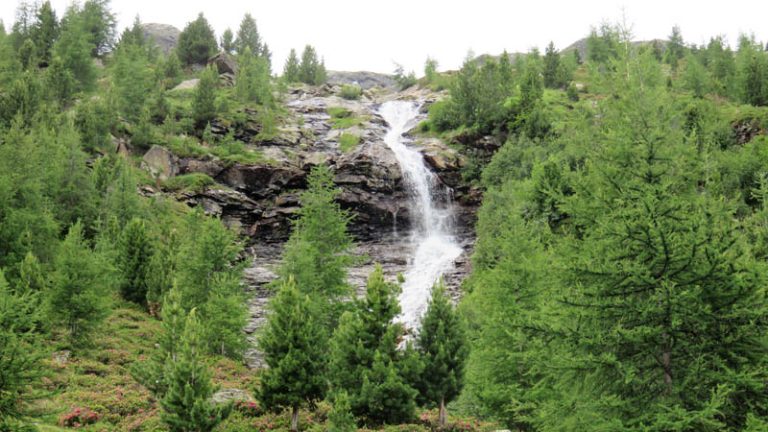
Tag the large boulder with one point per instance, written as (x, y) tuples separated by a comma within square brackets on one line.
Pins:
[(160, 162), (165, 36), (225, 63)]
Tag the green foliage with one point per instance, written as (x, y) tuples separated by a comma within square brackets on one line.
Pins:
[(311, 69), (20, 350), (99, 22), (248, 38), (197, 42), (317, 254), (291, 68), (253, 79), (74, 193), (228, 41), (224, 315), (752, 72), (387, 397), (443, 349), (293, 346), (404, 80), (78, 296), (556, 73), (186, 404), (45, 31), (163, 266), (152, 372), (206, 257), (603, 47), (132, 79), (364, 360), (340, 419), (610, 243), (93, 120), (348, 142), (121, 201), (171, 70), (477, 96), (72, 54), (132, 36), (351, 91), (204, 103), (430, 70), (194, 182), (27, 223), (675, 48), (135, 255), (342, 118), (695, 77)]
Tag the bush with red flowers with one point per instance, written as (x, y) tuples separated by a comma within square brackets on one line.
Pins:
[(79, 417)]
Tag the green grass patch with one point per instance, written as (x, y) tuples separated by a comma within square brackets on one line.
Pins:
[(342, 118), (351, 91), (195, 182), (186, 146), (348, 142)]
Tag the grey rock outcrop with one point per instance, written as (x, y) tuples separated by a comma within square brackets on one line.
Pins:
[(165, 36), (160, 162), (366, 80)]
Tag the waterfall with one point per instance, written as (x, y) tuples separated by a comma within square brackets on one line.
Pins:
[(435, 248)]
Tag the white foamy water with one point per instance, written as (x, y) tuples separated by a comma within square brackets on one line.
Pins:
[(431, 213)]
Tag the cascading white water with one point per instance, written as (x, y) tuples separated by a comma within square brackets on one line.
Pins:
[(435, 246)]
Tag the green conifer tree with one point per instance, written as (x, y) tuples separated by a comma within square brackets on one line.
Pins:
[(227, 41), (197, 42), (248, 37), (152, 372), (293, 347), (340, 419), (362, 334), (72, 51), (675, 48), (552, 67), (387, 397), (187, 405), (204, 103), (317, 253), (291, 68), (133, 80), (224, 315), (100, 24), (134, 256), (441, 342), (20, 352), (253, 79), (77, 298)]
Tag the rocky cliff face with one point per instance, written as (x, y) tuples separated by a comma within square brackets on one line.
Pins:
[(261, 199)]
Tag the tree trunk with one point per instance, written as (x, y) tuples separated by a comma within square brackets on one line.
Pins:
[(443, 416), (295, 419)]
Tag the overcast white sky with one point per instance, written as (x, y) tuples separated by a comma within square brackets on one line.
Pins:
[(365, 35)]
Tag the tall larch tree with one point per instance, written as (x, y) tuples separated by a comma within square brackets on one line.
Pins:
[(77, 298), (248, 37), (187, 405), (293, 347), (443, 349)]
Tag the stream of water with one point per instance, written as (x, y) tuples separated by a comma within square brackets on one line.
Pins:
[(434, 245)]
